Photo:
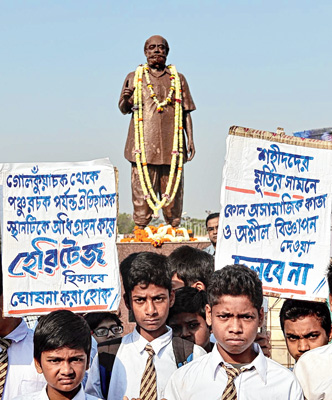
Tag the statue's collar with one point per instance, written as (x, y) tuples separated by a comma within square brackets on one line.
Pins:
[(158, 74)]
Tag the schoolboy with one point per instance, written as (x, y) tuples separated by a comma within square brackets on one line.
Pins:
[(236, 364), (187, 317), (313, 370), (62, 345), (104, 325), (148, 294), (190, 267), (305, 324)]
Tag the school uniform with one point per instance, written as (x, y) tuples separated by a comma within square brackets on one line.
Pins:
[(42, 395), (22, 377), (206, 379), (313, 370), (130, 363)]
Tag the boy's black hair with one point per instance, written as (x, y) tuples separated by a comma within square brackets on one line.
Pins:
[(145, 268), (211, 216), (189, 300), (294, 309), (235, 280), (94, 319), (59, 329), (191, 265), (329, 277)]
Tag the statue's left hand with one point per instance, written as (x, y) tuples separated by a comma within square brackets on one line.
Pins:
[(190, 150)]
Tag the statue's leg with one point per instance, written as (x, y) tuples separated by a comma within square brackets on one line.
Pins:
[(173, 212), (142, 212)]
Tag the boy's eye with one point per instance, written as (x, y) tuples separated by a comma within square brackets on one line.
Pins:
[(159, 299), (139, 301), (77, 359), (193, 325), (247, 317), (292, 338), (313, 336)]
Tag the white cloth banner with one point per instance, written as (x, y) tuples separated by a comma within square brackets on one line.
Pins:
[(59, 237), (275, 215)]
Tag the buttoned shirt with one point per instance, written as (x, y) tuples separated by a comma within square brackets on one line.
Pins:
[(313, 370), (22, 377), (158, 127), (42, 395), (210, 250), (206, 379), (130, 363)]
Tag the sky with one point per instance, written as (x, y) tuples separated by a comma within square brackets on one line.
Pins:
[(257, 64)]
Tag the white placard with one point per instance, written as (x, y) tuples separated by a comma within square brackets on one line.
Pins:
[(59, 237), (275, 214)]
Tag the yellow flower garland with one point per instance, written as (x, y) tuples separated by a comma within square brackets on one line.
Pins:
[(177, 150)]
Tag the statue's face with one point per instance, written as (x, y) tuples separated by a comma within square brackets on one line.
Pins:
[(156, 52)]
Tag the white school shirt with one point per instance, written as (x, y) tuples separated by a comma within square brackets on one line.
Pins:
[(22, 377), (130, 363), (42, 395), (314, 372), (206, 379), (93, 352)]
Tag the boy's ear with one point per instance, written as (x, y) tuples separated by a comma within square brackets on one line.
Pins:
[(208, 314), (261, 317), (171, 298), (199, 285), (330, 300), (126, 300), (38, 366)]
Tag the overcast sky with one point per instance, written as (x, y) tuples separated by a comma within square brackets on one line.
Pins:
[(258, 64)]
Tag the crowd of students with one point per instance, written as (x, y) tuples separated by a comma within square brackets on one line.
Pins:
[(200, 339)]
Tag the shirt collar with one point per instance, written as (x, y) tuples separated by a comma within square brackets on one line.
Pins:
[(157, 344), (19, 333), (166, 70), (259, 362)]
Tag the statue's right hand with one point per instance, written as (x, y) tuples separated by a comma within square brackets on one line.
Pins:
[(127, 93)]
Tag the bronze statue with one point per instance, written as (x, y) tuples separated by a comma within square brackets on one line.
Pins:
[(158, 112)]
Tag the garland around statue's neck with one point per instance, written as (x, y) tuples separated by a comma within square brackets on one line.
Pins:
[(177, 151)]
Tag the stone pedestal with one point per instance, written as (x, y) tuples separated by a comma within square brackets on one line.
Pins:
[(125, 249)]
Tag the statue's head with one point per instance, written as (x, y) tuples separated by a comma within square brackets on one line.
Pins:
[(156, 49)]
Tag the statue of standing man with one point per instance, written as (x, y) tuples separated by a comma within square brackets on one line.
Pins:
[(159, 100)]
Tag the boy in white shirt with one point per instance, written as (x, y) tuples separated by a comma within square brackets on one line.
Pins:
[(62, 345), (148, 294), (236, 366), (313, 370)]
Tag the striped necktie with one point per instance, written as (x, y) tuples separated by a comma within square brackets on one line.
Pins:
[(230, 390), (4, 344), (148, 389)]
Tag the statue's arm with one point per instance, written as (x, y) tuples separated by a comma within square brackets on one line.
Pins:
[(188, 126), (126, 101)]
